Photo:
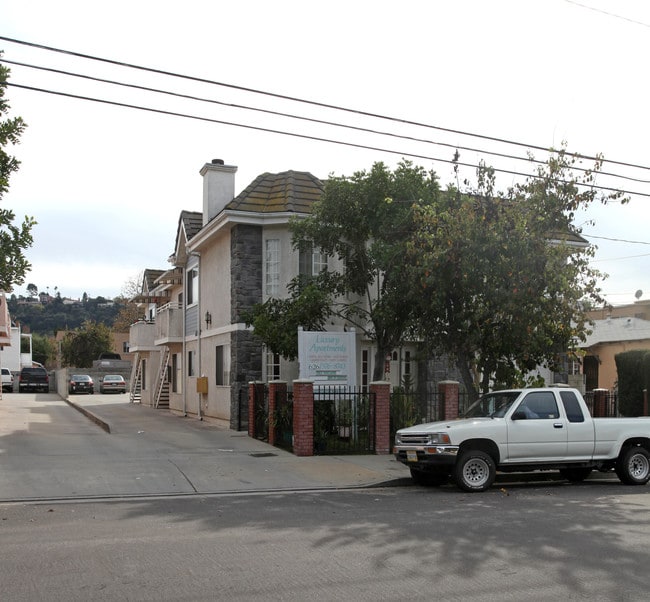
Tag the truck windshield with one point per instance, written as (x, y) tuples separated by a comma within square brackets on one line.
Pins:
[(492, 405)]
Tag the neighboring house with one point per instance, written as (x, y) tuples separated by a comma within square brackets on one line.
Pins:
[(193, 351), (609, 337), (11, 338)]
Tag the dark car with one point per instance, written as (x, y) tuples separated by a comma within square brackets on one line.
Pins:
[(33, 379), (81, 383), (112, 383)]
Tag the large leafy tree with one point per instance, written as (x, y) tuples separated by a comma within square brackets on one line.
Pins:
[(81, 347), (502, 289), (15, 237), (363, 220)]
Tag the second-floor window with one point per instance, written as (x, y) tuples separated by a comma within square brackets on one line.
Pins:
[(272, 267), (312, 261), (192, 286)]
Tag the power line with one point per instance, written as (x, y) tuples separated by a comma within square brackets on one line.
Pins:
[(307, 137), (604, 12), (305, 101), (634, 242), (303, 118)]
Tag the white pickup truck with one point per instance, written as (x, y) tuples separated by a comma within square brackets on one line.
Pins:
[(525, 430)]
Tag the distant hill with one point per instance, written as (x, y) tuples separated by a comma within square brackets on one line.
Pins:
[(47, 315)]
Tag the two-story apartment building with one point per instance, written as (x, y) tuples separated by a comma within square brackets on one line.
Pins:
[(193, 351)]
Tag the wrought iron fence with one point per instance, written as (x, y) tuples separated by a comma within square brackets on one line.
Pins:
[(282, 421), (344, 420), (261, 411), (407, 409), (610, 405)]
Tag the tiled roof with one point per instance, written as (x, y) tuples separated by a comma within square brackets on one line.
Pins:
[(192, 222), (293, 191), (149, 278)]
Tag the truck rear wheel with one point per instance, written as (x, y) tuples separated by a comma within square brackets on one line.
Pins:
[(474, 471), (633, 466)]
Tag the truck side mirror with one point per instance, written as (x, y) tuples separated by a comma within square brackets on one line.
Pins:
[(519, 415)]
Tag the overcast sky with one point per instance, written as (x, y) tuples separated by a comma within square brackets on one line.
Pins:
[(107, 183)]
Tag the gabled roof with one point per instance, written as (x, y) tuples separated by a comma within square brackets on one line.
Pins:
[(288, 191), (189, 222), (149, 279)]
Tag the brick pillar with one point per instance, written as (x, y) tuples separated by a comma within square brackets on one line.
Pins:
[(382, 416), (303, 418), (277, 388), (600, 403), (449, 391)]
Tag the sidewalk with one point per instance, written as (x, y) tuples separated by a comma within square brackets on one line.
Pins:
[(236, 461)]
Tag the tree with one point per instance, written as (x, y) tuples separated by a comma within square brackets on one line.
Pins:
[(363, 220), (43, 348), (501, 291), (32, 290), (130, 311), (14, 238), (81, 347), (127, 315)]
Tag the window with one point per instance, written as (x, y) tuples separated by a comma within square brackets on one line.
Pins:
[(311, 262), (540, 405), (192, 286), (572, 406), (190, 363), (272, 366), (174, 379), (407, 363), (272, 267), (365, 369), (222, 365), (125, 347)]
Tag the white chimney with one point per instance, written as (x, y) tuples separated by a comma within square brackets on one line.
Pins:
[(218, 187)]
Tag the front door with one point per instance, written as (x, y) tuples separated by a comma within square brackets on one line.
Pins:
[(538, 434)]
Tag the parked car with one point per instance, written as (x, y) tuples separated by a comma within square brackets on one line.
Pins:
[(34, 379), (81, 383), (7, 381), (112, 383)]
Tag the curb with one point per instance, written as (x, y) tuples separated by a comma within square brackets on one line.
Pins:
[(96, 419)]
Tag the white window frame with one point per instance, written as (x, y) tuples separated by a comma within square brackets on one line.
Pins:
[(272, 267)]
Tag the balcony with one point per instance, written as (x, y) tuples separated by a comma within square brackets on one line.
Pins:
[(142, 336), (169, 324)]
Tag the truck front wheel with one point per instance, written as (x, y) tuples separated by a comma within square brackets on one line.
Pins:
[(633, 466), (474, 471)]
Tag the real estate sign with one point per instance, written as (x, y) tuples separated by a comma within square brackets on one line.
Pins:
[(328, 358)]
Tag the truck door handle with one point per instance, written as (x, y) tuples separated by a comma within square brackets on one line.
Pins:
[(557, 425)]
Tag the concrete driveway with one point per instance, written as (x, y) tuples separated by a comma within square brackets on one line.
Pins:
[(49, 450)]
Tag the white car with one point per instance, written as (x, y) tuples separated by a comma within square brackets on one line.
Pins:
[(112, 383), (7, 381), (523, 430)]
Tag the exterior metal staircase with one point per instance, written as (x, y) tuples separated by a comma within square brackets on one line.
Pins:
[(136, 380), (162, 386)]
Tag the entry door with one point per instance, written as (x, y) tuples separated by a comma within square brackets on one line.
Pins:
[(542, 435)]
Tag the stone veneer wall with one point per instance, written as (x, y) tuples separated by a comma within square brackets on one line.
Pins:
[(246, 289)]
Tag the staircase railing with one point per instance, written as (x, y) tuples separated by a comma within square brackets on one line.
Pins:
[(162, 375)]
